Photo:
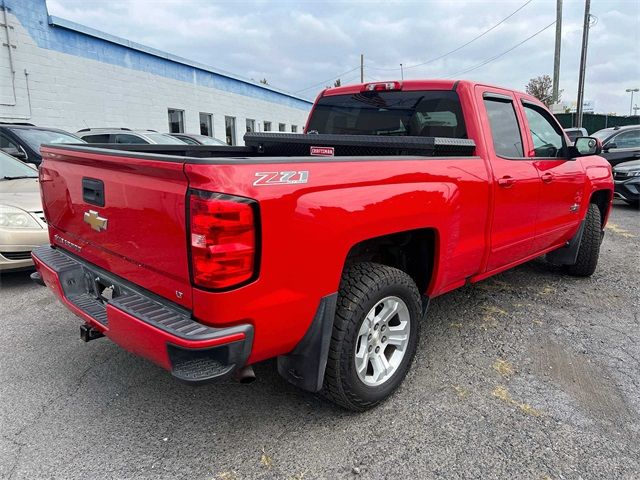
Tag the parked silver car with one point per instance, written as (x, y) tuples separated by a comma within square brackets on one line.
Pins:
[(127, 136), (22, 224)]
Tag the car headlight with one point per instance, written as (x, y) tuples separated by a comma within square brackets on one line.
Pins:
[(12, 217)]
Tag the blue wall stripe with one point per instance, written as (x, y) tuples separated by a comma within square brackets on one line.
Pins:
[(64, 36)]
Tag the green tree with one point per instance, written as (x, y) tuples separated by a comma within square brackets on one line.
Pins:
[(542, 88)]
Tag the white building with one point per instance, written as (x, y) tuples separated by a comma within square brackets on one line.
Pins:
[(57, 73)]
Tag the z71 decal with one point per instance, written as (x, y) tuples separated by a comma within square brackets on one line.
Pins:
[(281, 178)]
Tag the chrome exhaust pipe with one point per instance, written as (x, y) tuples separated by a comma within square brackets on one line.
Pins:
[(246, 374)]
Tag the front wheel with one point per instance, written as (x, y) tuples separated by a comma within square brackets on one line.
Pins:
[(375, 335)]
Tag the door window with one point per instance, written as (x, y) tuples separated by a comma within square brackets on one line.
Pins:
[(629, 139), (127, 139), (102, 138), (548, 142), (505, 131)]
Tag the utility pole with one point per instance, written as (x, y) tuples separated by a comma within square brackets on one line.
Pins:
[(361, 68), (631, 90), (583, 63), (401, 73), (556, 56)]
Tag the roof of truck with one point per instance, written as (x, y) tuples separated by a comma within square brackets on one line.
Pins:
[(422, 84)]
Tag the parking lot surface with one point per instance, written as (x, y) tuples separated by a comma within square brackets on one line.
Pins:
[(531, 374)]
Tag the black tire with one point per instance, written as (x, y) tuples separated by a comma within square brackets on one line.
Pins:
[(589, 250), (363, 286)]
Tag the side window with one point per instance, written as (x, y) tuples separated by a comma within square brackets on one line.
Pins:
[(504, 128), (629, 139), (547, 140), (188, 140), (96, 138), (128, 139)]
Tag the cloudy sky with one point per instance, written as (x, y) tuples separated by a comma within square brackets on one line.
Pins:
[(301, 46)]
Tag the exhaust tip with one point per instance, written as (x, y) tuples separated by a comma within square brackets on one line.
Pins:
[(246, 375)]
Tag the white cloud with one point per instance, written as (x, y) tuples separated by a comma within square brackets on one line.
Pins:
[(298, 44)]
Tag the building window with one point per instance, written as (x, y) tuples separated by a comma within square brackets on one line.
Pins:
[(294, 129), (282, 127), (206, 124), (267, 126), (230, 129), (176, 121), (251, 125)]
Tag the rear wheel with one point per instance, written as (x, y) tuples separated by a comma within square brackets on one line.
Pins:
[(589, 250), (375, 335)]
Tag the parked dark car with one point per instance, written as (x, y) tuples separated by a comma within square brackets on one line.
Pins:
[(196, 139), (23, 140), (626, 177), (620, 144), (574, 133)]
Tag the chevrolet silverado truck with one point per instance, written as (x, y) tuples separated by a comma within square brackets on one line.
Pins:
[(323, 249)]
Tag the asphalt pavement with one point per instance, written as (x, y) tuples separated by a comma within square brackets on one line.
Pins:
[(530, 374)]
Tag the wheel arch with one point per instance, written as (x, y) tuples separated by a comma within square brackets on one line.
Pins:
[(602, 198), (412, 251)]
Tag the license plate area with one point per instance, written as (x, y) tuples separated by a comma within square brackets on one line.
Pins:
[(102, 289)]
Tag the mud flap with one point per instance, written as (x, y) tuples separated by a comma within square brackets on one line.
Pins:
[(305, 365), (567, 255)]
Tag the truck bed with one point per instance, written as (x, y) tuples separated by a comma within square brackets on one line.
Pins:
[(260, 145)]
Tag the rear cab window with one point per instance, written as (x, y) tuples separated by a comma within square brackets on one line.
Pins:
[(432, 113)]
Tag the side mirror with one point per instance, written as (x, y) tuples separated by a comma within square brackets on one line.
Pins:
[(16, 153), (609, 146), (587, 146)]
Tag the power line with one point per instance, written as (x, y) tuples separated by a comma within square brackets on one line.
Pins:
[(324, 82), (461, 46), (491, 59)]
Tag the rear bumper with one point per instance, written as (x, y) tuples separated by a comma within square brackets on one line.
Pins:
[(142, 322)]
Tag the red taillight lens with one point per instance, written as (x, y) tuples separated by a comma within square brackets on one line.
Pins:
[(223, 239)]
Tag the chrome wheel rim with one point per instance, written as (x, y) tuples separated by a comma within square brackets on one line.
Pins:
[(382, 341)]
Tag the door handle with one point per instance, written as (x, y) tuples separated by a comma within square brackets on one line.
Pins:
[(547, 177), (506, 181)]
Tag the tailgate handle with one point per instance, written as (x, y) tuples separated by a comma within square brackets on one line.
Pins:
[(93, 191)]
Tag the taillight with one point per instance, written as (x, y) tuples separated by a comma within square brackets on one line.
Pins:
[(223, 239), (381, 86)]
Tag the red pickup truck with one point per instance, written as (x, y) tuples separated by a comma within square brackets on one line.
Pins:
[(320, 249)]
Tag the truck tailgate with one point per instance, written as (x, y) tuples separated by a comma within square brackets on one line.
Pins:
[(126, 215)]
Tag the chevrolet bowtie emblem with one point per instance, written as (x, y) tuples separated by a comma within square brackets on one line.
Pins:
[(96, 222)]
